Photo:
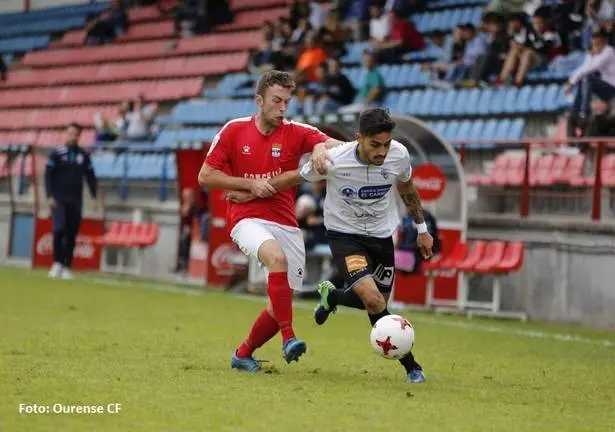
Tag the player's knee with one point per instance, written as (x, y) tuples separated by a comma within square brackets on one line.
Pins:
[(272, 256), (372, 298)]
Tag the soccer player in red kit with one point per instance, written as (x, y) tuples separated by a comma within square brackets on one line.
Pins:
[(247, 155)]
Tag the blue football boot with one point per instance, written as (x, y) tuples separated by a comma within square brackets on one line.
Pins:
[(416, 376), (293, 348), (245, 363)]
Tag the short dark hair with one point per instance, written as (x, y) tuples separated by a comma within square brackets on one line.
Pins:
[(76, 126), (374, 121), (274, 77)]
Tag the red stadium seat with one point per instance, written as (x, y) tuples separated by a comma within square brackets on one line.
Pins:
[(512, 260), (455, 258), (494, 253), (127, 236), (474, 256), (86, 55), (442, 264), (156, 30), (253, 4), (254, 19), (102, 93), (499, 258)]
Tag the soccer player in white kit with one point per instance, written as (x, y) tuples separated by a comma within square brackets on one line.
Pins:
[(360, 216)]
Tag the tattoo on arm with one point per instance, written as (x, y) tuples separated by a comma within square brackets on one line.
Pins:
[(411, 198)]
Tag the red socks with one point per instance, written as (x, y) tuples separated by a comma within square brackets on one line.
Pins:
[(264, 328), (281, 298)]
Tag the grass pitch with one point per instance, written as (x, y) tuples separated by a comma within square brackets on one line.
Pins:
[(163, 353)]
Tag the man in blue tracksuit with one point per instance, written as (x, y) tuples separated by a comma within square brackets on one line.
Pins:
[(66, 168)]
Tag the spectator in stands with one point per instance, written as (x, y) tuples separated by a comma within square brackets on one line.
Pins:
[(265, 57), (108, 25), (379, 25), (451, 52), (506, 7), (476, 45), (140, 120), (569, 17), (312, 56), (595, 77), (530, 49), (596, 13), (357, 18), (310, 10), (189, 212), (491, 61), (403, 38), (334, 36), (300, 33), (372, 90), (334, 91), (282, 31), (108, 132)]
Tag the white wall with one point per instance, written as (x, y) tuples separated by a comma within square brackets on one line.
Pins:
[(11, 6)]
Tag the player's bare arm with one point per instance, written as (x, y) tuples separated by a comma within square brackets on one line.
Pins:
[(320, 156), (213, 178), (283, 181), (411, 198)]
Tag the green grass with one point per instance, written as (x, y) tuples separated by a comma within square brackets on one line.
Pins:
[(164, 355)]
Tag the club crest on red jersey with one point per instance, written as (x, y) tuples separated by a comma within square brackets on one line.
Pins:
[(276, 150), (246, 149)]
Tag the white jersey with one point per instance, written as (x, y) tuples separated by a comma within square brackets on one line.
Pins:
[(360, 197)]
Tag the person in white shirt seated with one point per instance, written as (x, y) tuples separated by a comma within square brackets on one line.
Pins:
[(379, 25), (595, 77)]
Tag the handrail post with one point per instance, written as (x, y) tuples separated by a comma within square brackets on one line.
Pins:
[(597, 195), (525, 188)]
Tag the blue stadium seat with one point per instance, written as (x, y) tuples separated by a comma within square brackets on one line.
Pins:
[(47, 26), (23, 44), (517, 127)]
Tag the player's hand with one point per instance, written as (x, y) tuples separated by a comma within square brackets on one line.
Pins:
[(239, 197), (425, 243), (261, 189), (319, 158), (51, 202)]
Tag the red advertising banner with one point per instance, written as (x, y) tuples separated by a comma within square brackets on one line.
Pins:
[(429, 181), (87, 252), (221, 247)]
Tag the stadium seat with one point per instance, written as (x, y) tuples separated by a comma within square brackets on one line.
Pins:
[(126, 236), (442, 264), (217, 42), (500, 258), (166, 68), (474, 256)]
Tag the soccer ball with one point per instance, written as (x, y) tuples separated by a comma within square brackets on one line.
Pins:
[(392, 337)]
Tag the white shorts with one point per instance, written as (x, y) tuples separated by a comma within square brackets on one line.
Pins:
[(250, 234)]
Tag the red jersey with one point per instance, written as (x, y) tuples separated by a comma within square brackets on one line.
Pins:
[(241, 150)]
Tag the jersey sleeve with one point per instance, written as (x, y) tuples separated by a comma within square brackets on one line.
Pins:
[(310, 174), (405, 168), (219, 151), (309, 136)]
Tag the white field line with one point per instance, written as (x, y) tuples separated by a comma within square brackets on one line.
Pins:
[(419, 319)]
